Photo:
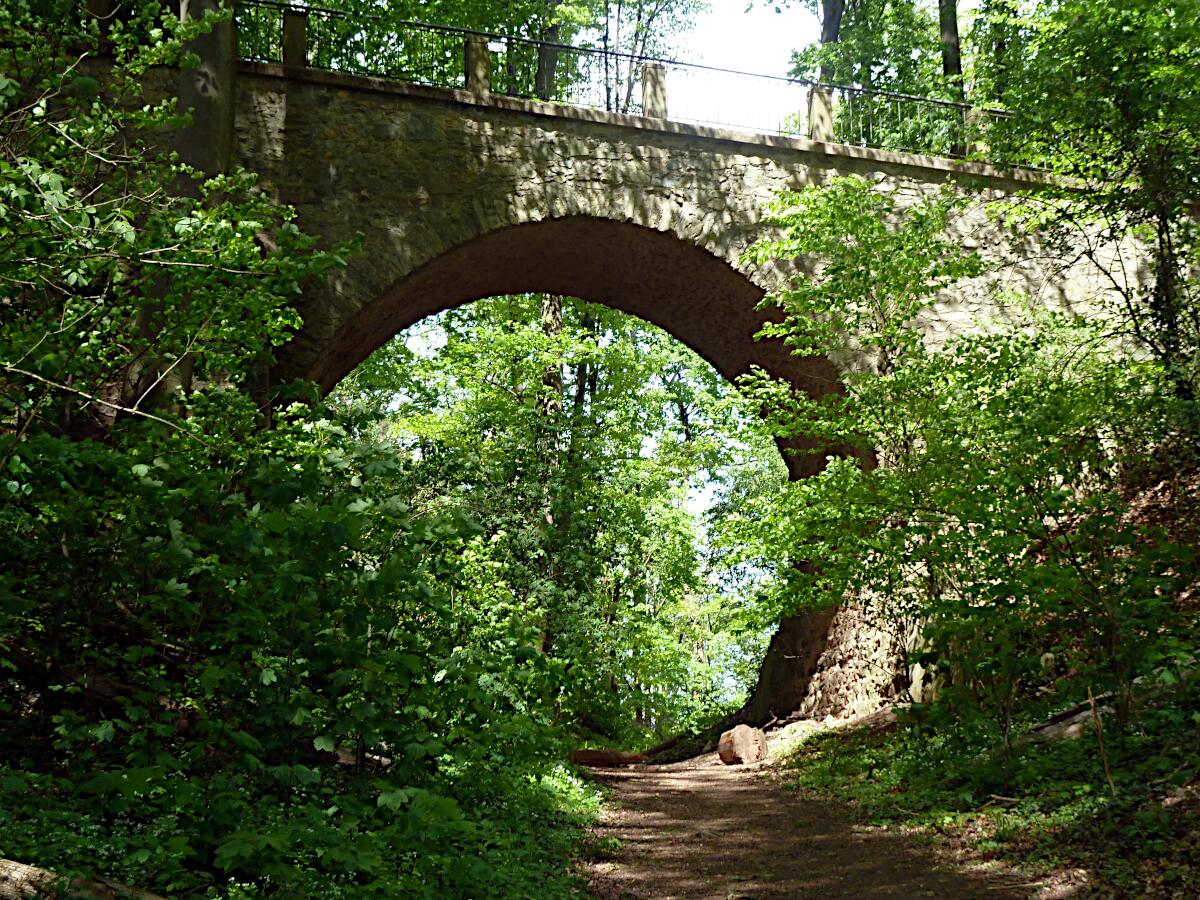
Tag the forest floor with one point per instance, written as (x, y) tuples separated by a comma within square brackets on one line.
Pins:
[(701, 829)]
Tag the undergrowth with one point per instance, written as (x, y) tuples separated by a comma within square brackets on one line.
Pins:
[(1046, 806), (504, 837)]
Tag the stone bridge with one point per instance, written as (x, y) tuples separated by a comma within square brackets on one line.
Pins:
[(461, 195)]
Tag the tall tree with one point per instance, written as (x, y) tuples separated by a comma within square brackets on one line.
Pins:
[(831, 30), (996, 39), (951, 51), (952, 62)]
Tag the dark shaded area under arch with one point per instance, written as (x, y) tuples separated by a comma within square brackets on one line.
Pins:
[(687, 291)]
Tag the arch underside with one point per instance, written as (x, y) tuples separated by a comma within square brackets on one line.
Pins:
[(692, 294)]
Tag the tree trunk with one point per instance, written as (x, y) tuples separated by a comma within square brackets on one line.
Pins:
[(576, 422), (547, 65), (552, 375), (998, 16), (547, 449), (951, 51), (547, 56), (832, 12), (952, 65)]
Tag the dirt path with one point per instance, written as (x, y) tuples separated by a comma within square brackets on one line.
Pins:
[(700, 829)]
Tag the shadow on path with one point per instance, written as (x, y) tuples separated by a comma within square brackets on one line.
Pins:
[(699, 829)]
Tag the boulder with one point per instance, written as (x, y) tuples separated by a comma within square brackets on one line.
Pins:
[(742, 744)]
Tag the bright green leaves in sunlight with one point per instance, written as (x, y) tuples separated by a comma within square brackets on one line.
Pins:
[(1106, 94), (996, 527), (575, 436), (875, 260), (878, 261)]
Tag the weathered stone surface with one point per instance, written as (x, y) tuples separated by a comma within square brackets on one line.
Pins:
[(790, 664), (742, 744), (861, 666)]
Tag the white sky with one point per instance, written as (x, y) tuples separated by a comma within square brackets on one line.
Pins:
[(756, 40)]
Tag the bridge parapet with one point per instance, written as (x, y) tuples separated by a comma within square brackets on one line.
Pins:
[(602, 79)]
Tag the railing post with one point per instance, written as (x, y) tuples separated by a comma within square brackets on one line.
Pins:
[(654, 90), (976, 121), (295, 38), (477, 64), (820, 114)]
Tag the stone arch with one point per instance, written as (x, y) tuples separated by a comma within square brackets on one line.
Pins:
[(459, 196), (697, 297), (688, 291)]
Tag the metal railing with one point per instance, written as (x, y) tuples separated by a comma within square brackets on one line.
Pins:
[(595, 78), (894, 121), (364, 45)]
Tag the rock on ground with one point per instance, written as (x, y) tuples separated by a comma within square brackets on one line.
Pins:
[(742, 744)]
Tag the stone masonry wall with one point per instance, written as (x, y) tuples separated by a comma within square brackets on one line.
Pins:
[(429, 174)]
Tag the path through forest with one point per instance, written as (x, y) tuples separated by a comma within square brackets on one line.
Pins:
[(699, 829)]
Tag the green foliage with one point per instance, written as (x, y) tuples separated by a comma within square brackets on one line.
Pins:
[(873, 277), (891, 46), (334, 656), (389, 39), (1100, 92), (233, 659), (887, 45), (203, 633), (576, 446), (1105, 92), (996, 523), (95, 247)]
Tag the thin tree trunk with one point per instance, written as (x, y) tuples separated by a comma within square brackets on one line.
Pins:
[(547, 56), (547, 447), (951, 50), (207, 93), (998, 14), (552, 375), (579, 401), (952, 64)]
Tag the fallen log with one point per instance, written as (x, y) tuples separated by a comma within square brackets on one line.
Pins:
[(606, 759), (21, 882)]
